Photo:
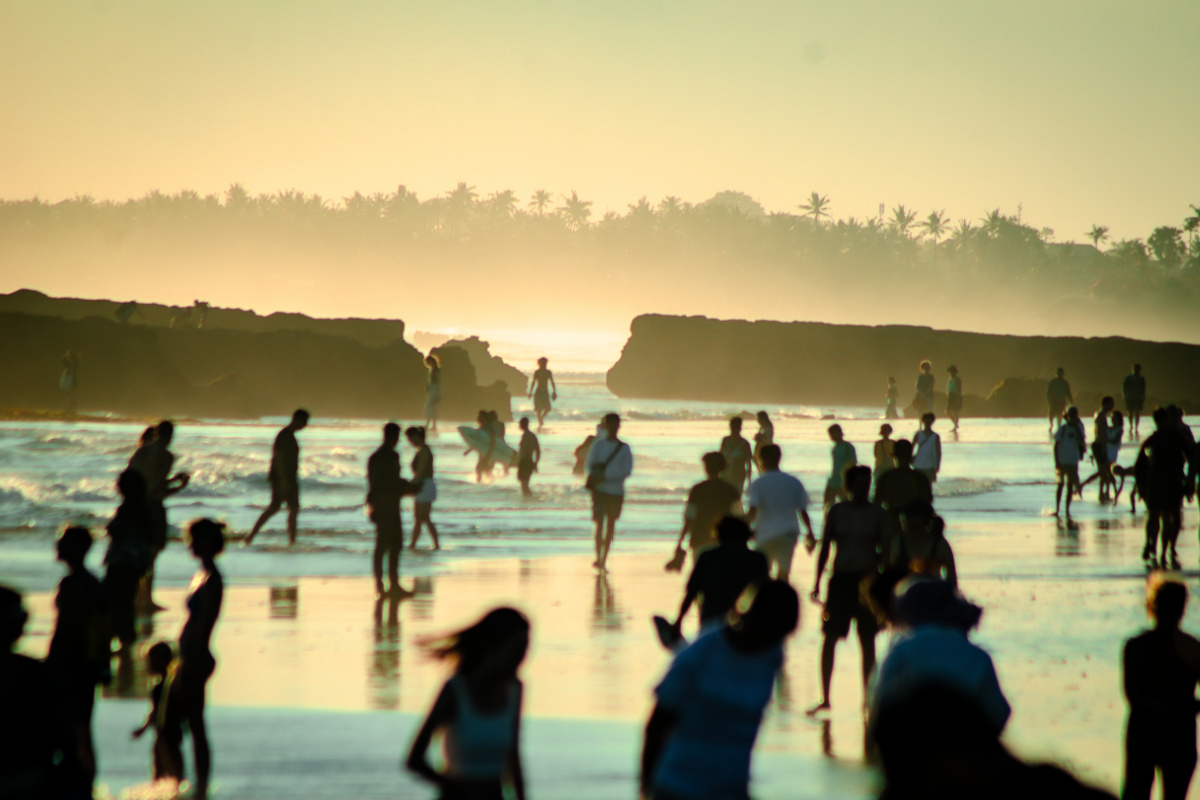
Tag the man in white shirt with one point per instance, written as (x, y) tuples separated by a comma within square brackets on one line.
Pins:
[(609, 463), (776, 500), (1070, 443)]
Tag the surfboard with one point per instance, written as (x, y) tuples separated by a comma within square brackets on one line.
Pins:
[(477, 440)]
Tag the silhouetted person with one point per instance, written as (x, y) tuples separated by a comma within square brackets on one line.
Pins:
[(164, 716), (954, 396), (385, 488), (885, 453), (764, 436), (433, 391), (35, 741), (778, 503), (129, 555), (426, 486), (844, 458), (1070, 443), (284, 475), (901, 487), (196, 662), (892, 397), (739, 457), (1058, 397), (707, 502), (860, 532), (154, 461), (581, 452), (701, 733), (923, 400), (529, 455), (491, 432), (927, 446), (720, 575), (78, 655), (922, 548), (478, 711), (543, 390), (69, 381), (609, 463), (1162, 460), (1100, 438), (1160, 669), (1133, 389)]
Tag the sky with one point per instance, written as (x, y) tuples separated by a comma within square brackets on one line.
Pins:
[(1076, 113)]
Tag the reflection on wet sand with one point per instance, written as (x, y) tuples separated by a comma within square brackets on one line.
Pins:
[(285, 601), (605, 615), (383, 675)]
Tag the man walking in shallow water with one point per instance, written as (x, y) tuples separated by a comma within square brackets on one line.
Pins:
[(284, 475), (609, 463)]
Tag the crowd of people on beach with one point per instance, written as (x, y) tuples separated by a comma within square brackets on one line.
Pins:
[(933, 704)]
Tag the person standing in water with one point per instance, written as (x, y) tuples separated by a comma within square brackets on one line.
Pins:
[(1070, 443), (284, 475), (885, 454), (923, 401), (893, 396), (529, 455), (861, 532), (844, 457), (778, 502), (764, 436), (154, 462), (385, 487), (1058, 397), (422, 470), (739, 457), (609, 463), (928, 447), (69, 381), (433, 391), (954, 396), (478, 711), (1160, 670), (1100, 428), (1133, 389), (543, 390)]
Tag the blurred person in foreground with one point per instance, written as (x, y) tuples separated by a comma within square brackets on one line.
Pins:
[(701, 733)]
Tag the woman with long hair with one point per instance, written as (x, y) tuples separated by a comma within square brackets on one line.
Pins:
[(478, 711), (422, 469)]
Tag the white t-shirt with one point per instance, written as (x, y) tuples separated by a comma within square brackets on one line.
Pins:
[(1069, 441), (620, 468), (927, 450), (779, 497)]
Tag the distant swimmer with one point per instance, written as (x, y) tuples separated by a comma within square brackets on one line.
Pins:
[(609, 464), (893, 396), (1070, 443), (69, 380), (860, 532), (764, 436), (1133, 388), (844, 457), (543, 390), (433, 391), (529, 455), (385, 488), (923, 401), (778, 504), (707, 502), (426, 487), (284, 475), (739, 457), (954, 396), (885, 453), (1058, 397), (1162, 460), (928, 448)]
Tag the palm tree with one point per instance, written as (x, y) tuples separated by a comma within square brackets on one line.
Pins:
[(575, 211), (670, 205), (540, 201), (816, 207), (1098, 234), (962, 234), (992, 222), (502, 204), (902, 219), (935, 226)]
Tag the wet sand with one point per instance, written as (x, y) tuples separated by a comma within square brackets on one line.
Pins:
[(306, 665)]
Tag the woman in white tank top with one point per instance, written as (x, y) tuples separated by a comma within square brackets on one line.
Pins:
[(478, 711)]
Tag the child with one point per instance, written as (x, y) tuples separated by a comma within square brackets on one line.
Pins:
[(478, 711), (529, 455), (168, 732)]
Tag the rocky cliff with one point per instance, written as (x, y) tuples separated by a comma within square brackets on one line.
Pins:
[(697, 358)]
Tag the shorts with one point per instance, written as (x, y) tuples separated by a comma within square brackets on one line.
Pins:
[(953, 404), (525, 470), (1056, 408), (606, 506), (1068, 472), (428, 492), (288, 494), (843, 603), (389, 530), (1100, 454), (780, 550), (541, 401), (1164, 498), (156, 514), (1135, 404)]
